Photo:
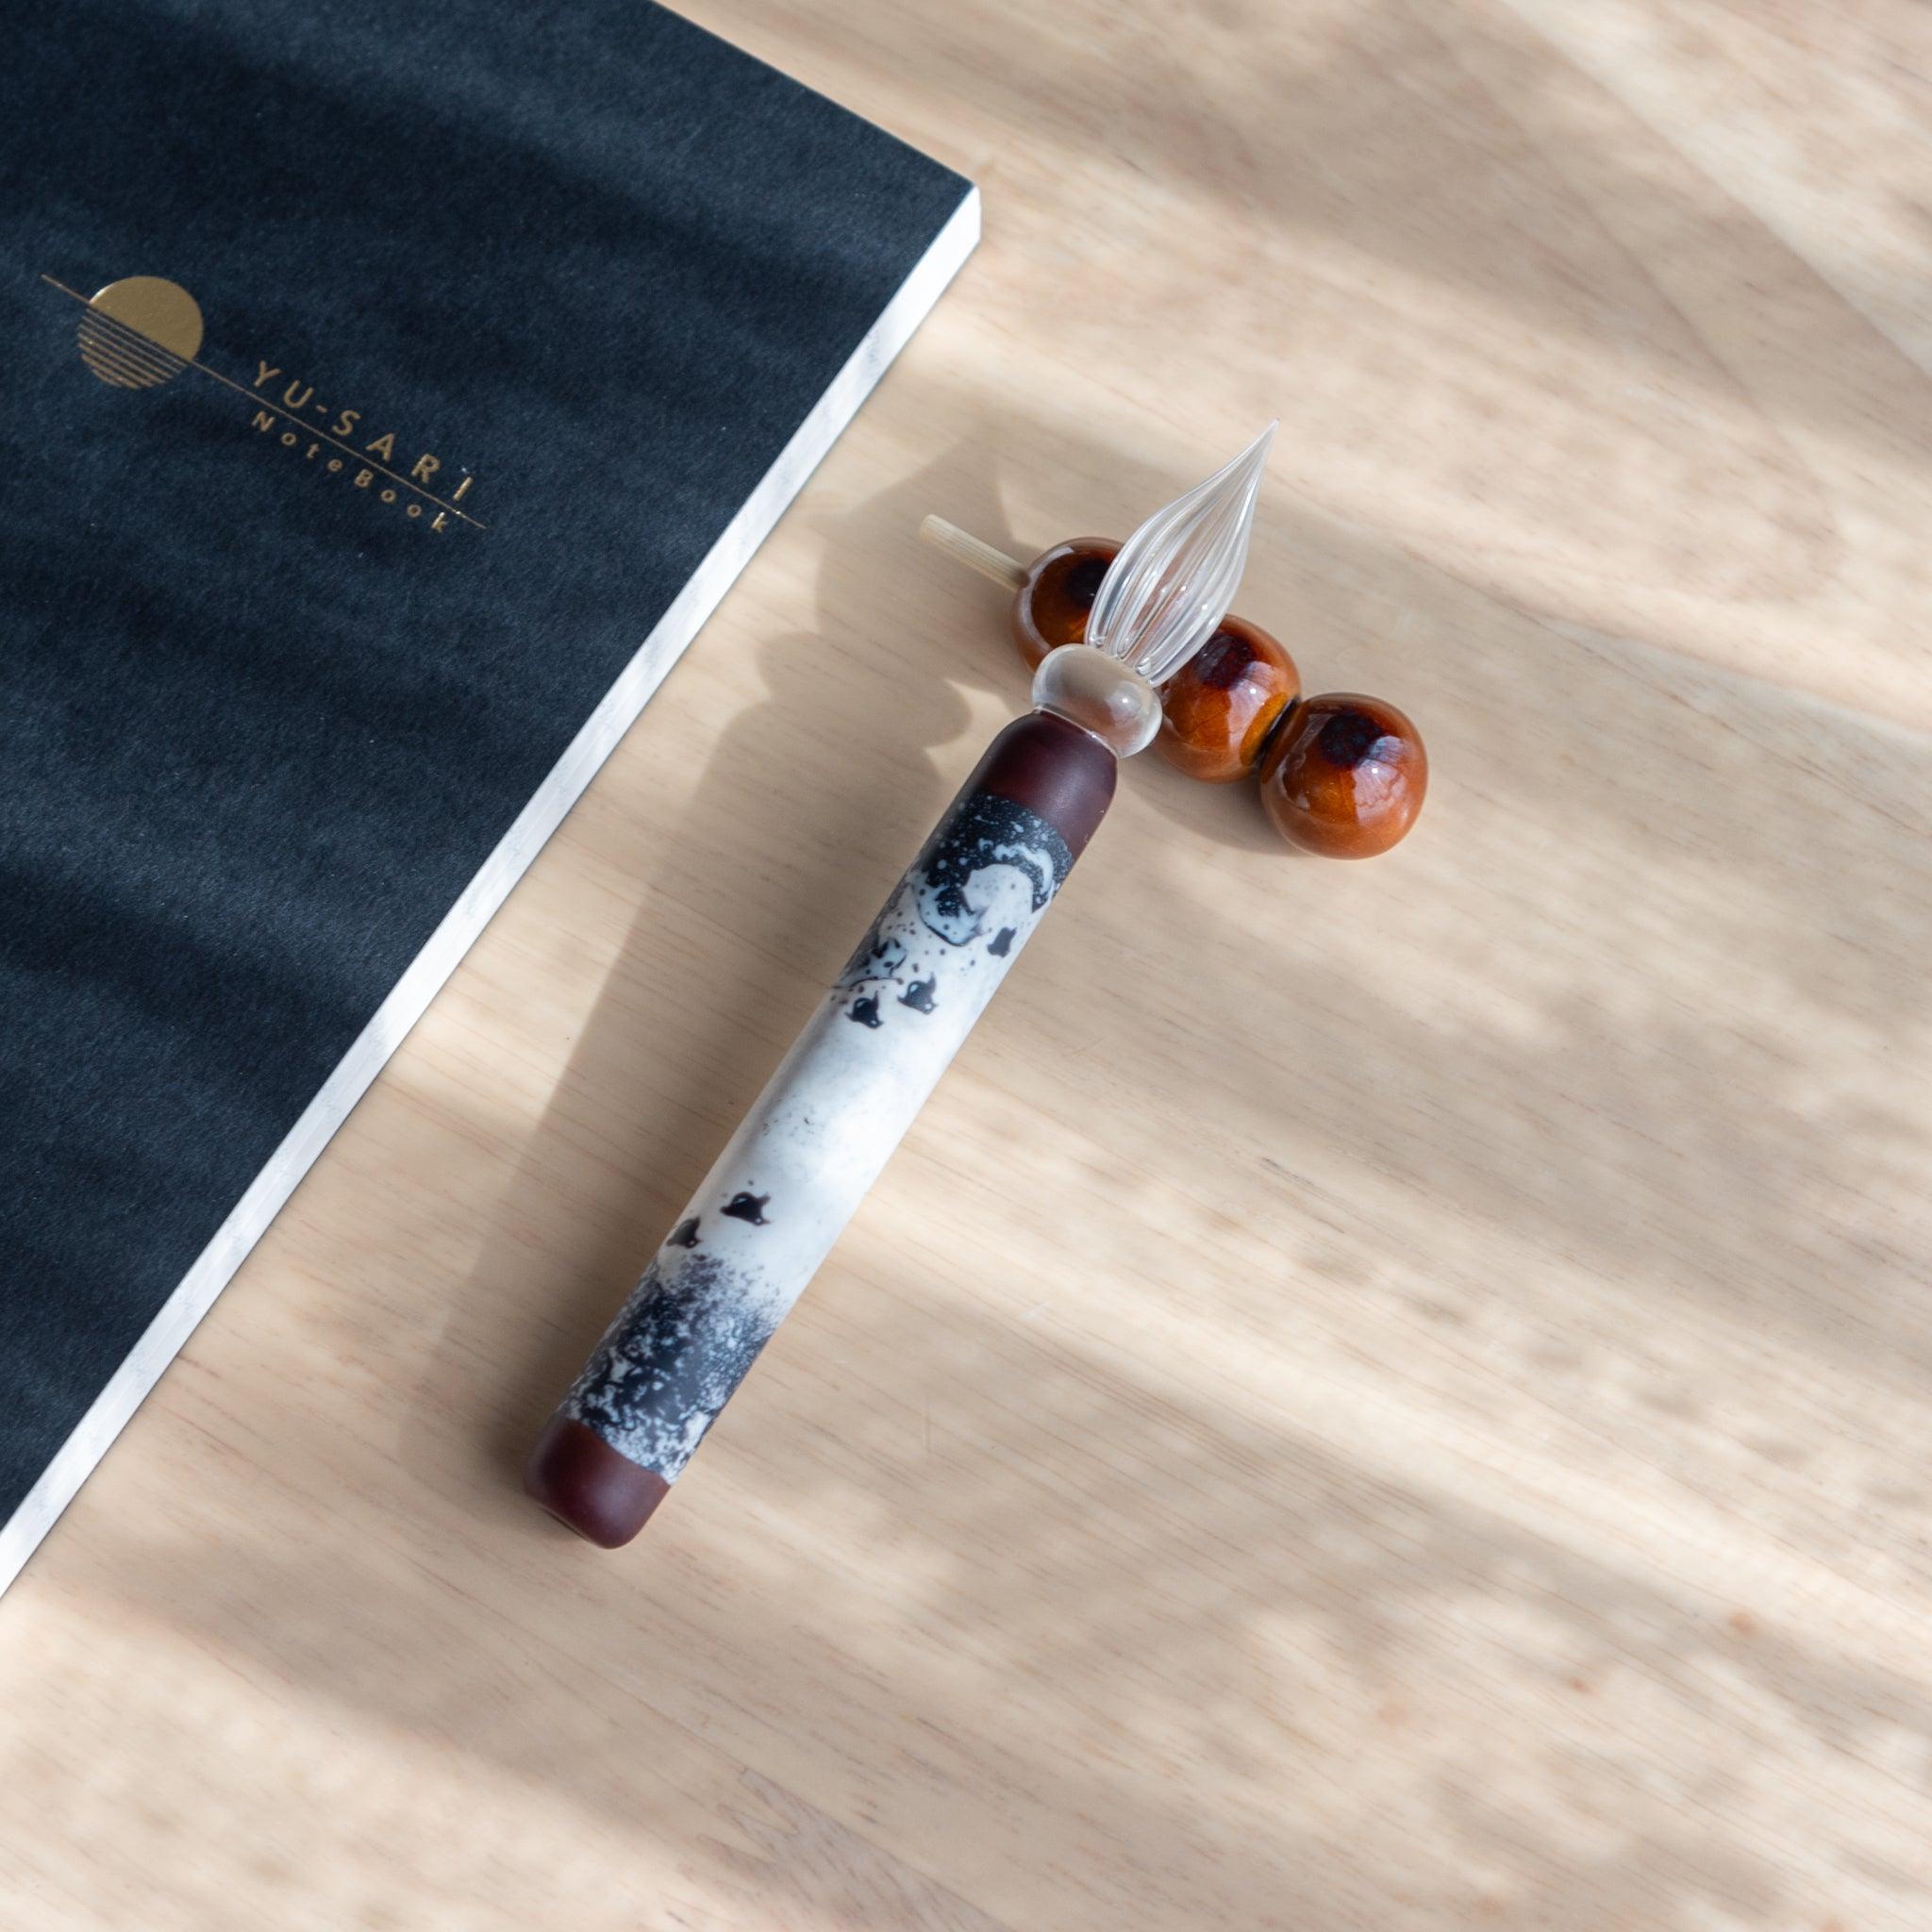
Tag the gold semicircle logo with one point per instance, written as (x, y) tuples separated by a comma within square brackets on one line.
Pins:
[(139, 332)]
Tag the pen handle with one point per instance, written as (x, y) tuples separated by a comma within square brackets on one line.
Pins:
[(798, 1166)]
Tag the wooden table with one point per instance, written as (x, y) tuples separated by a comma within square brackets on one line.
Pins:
[(1388, 1397)]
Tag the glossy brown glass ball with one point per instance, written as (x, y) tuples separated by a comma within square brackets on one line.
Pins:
[(1050, 609), (1345, 776), (1219, 707)]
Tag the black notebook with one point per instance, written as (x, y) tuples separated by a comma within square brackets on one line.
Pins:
[(390, 393)]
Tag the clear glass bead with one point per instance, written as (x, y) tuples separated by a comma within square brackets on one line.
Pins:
[(1100, 694)]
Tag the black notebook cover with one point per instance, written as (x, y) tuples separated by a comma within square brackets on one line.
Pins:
[(389, 394)]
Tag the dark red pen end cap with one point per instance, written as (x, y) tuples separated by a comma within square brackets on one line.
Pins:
[(586, 1484)]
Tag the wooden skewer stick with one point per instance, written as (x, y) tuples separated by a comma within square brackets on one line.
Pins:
[(963, 547)]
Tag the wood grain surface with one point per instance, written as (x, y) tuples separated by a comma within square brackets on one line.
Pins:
[(1391, 1396)]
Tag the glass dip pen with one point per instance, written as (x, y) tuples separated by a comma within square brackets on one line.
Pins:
[(791, 1177)]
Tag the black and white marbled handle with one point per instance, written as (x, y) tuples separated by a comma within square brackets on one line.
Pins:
[(792, 1176)]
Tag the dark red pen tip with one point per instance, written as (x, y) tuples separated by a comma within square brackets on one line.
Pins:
[(586, 1484)]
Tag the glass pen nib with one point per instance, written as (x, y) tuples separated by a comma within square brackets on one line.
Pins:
[(1175, 579)]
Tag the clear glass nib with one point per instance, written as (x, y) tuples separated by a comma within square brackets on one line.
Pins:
[(1171, 585)]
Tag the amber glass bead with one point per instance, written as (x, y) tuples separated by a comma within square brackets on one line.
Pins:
[(1345, 776), (1050, 609), (1219, 707)]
